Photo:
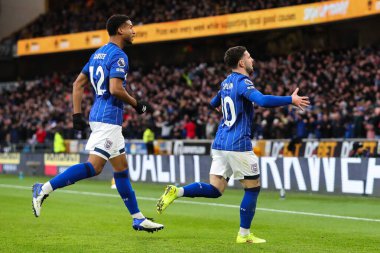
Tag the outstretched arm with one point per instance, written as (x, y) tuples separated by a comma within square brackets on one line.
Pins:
[(269, 101)]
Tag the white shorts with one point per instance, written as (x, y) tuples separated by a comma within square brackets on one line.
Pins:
[(242, 165), (106, 140)]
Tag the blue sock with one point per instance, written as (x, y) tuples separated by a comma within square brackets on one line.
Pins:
[(126, 191), (201, 190), (248, 206), (73, 174)]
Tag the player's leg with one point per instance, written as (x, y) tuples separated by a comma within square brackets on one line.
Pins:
[(247, 211), (71, 175), (214, 189), (246, 170), (94, 165), (219, 174), (124, 187)]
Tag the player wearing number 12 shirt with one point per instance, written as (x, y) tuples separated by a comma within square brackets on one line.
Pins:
[(106, 70), (232, 149)]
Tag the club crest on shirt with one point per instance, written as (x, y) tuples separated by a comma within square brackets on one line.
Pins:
[(121, 62), (108, 144), (255, 168)]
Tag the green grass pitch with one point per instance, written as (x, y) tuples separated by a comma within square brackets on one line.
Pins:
[(72, 220)]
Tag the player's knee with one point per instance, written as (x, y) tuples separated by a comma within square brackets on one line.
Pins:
[(121, 169), (97, 167), (125, 164), (97, 163), (221, 192), (219, 183), (250, 183), (98, 170), (217, 192)]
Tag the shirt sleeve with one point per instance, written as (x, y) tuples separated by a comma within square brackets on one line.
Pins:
[(86, 70), (215, 101), (245, 87), (248, 90), (119, 66)]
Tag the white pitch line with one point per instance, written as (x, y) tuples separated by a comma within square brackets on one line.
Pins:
[(202, 203)]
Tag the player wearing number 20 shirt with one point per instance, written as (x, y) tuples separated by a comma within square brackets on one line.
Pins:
[(232, 153), (236, 97), (235, 128), (232, 149)]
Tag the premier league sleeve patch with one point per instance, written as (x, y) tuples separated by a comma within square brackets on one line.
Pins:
[(121, 62), (248, 82)]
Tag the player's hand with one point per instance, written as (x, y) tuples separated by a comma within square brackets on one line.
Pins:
[(300, 102), (79, 122), (142, 107)]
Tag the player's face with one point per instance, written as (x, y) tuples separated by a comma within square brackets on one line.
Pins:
[(249, 62), (128, 32)]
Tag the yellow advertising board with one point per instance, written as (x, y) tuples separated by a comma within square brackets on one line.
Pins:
[(9, 158), (62, 43), (61, 159), (300, 15)]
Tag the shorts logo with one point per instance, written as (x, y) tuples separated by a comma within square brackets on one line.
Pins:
[(108, 144), (255, 168)]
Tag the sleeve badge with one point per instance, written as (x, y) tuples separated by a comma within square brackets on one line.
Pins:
[(121, 62)]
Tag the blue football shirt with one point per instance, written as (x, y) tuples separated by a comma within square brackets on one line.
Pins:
[(234, 131), (107, 62)]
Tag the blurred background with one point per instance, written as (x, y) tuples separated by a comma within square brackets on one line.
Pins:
[(329, 49), (319, 169)]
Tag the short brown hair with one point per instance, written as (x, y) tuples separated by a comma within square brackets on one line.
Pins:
[(233, 55)]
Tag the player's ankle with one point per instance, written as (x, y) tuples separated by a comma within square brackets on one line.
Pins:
[(244, 231), (47, 188), (138, 215), (180, 192)]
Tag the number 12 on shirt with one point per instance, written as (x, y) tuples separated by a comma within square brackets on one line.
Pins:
[(98, 86)]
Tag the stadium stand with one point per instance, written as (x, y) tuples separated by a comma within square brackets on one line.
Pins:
[(87, 15), (344, 87)]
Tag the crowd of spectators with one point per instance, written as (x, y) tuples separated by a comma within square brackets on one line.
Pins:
[(343, 86), (86, 15)]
